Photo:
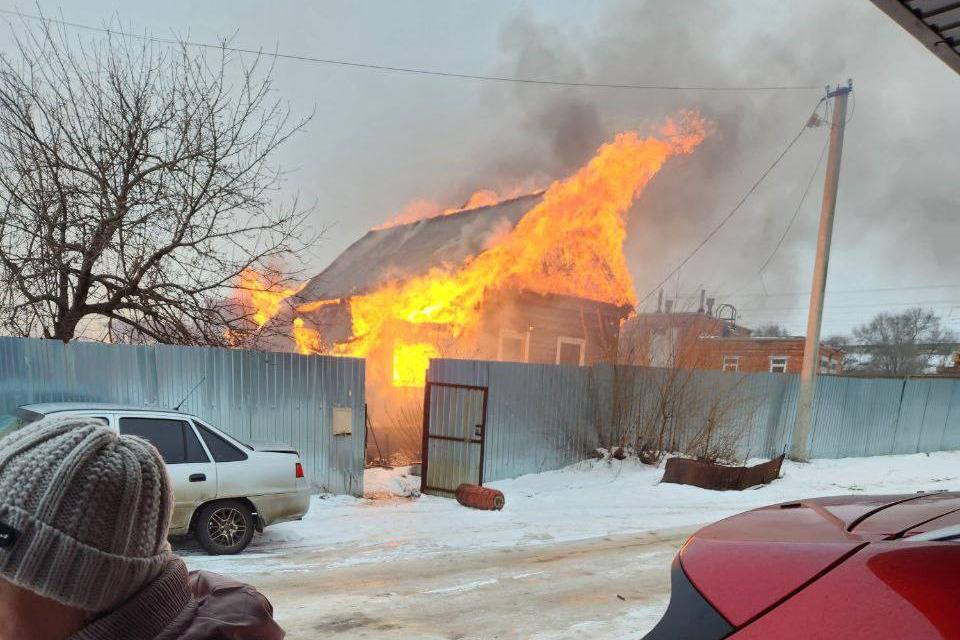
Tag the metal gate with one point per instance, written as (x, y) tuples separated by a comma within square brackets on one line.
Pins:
[(454, 420)]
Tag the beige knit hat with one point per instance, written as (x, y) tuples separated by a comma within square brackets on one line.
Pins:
[(84, 512)]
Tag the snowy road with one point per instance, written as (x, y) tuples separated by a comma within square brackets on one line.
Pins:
[(580, 553), (601, 588)]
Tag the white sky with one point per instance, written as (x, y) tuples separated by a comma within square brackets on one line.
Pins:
[(380, 140)]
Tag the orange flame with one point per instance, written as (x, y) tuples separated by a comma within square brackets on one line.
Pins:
[(571, 243), (308, 339), (424, 209), (260, 296), (410, 363), (307, 307)]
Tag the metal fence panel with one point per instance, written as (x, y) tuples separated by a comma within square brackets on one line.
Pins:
[(453, 442), (544, 417), (539, 417), (251, 395)]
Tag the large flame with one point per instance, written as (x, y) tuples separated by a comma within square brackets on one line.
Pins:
[(570, 243), (410, 363)]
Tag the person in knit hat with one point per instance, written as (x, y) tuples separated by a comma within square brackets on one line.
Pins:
[(84, 513)]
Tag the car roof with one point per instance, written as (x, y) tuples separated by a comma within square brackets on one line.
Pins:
[(46, 408)]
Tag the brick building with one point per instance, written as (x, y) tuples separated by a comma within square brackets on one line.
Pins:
[(764, 354), (707, 340)]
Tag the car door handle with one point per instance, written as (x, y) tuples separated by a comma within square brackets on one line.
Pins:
[(198, 477)]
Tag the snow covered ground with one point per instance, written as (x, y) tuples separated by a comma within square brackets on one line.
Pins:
[(588, 500), (608, 506)]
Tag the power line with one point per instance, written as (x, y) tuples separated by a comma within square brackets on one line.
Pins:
[(829, 291), (410, 70), (736, 208), (796, 212), (867, 305), (793, 219)]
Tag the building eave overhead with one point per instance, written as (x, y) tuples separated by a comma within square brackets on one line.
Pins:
[(935, 23)]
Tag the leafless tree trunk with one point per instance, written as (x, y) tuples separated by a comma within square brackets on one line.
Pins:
[(136, 184), (904, 343)]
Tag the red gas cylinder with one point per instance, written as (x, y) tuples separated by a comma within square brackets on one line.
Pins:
[(471, 495)]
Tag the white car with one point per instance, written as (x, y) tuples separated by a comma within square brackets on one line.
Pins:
[(224, 489)]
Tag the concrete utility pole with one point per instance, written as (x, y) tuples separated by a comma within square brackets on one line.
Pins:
[(799, 449)]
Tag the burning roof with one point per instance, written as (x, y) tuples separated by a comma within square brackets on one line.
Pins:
[(404, 251), (411, 289)]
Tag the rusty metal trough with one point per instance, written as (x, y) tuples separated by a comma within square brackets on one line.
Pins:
[(709, 475)]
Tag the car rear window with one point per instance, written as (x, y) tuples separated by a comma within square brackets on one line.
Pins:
[(174, 439), (221, 450)]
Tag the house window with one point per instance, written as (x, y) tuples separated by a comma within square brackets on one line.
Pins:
[(826, 364), (731, 363), (514, 346), (571, 351), (664, 346), (778, 364)]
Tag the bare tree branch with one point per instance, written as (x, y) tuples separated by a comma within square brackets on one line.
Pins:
[(137, 183)]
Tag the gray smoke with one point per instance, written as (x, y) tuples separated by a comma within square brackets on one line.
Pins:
[(898, 160)]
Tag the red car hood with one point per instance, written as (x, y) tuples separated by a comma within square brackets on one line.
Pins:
[(749, 563)]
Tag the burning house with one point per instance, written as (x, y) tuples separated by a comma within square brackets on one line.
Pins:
[(536, 278), (513, 322)]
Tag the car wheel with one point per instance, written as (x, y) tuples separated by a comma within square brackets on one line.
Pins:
[(224, 528)]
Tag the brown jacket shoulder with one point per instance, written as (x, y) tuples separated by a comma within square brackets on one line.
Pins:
[(195, 606)]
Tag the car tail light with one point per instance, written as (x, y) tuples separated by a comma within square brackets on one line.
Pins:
[(300, 473)]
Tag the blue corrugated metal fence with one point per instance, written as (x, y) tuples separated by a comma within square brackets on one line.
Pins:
[(252, 395), (543, 417)]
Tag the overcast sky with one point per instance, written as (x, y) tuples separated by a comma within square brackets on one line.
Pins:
[(380, 140)]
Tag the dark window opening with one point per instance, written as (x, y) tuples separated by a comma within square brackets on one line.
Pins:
[(570, 351)]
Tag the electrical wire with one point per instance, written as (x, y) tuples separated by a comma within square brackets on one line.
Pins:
[(793, 219), (864, 305), (796, 211), (408, 70), (736, 207), (873, 290)]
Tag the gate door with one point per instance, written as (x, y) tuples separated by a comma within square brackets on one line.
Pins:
[(454, 418)]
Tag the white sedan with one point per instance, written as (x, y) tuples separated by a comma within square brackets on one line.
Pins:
[(224, 489)]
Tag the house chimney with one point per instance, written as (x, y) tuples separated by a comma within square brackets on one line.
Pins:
[(668, 306), (703, 295), (710, 302), (660, 301)]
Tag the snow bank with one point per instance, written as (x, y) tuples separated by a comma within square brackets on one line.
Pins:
[(592, 499), (398, 482)]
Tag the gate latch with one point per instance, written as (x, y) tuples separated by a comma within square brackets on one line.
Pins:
[(477, 431)]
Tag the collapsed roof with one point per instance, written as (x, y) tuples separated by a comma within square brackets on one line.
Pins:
[(409, 250)]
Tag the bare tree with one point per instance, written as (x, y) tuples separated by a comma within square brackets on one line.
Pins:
[(849, 362), (136, 183), (904, 343)]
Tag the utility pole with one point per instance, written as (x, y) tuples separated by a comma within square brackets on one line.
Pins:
[(799, 449)]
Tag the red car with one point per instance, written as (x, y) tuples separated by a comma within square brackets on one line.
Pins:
[(848, 567)]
